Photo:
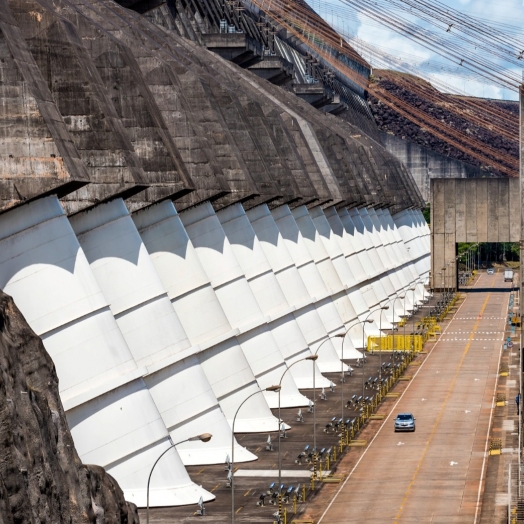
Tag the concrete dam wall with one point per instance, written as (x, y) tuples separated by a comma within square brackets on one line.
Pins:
[(179, 231)]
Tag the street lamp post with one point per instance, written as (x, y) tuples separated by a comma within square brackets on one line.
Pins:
[(413, 317), (270, 388), (369, 321), (315, 391), (383, 308), (343, 336), (311, 358), (393, 321), (404, 318), (204, 437)]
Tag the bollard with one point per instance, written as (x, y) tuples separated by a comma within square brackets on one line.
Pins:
[(295, 504), (335, 454), (285, 515), (315, 465), (304, 493), (280, 507), (320, 469), (327, 462)]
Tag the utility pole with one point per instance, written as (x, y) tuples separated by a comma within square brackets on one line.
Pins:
[(521, 294), (521, 151)]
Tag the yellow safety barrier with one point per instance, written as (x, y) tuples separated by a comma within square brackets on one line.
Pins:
[(396, 343), (329, 480), (358, 443), (501, 399), (495, 446)]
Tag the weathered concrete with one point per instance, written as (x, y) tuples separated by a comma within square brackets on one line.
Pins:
[(470, 210), (137, 302), (38, 154), (425, 164)]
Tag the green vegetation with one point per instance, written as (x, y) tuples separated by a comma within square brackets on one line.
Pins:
[(489, 253), (427, 213)]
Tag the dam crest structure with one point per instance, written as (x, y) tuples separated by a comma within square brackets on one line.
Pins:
[(179, 229)]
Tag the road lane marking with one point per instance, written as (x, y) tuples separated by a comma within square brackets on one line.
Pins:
[(384, 423), (441, 412)]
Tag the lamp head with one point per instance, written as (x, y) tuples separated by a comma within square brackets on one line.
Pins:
[(385, 307), (340, 335), (276, 389), (312, 357), (370, 321), (205, 437), (402, 296)]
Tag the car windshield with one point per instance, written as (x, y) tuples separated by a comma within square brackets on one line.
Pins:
[(404, 417)]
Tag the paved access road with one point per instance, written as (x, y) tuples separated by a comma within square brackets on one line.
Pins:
[(437, 473)]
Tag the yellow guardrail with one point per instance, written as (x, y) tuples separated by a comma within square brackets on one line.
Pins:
[(396, 342)]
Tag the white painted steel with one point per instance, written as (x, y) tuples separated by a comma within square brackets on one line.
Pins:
[(295, 291), (354, 295), (376, 250), (333, 248), (189, 289), (353, 223), (310, 274), (266, 280), (269, 295), (138, 300), (397, 248), (239, 304), (325, 265), (45, 270), (346, 243), (380, 249), (128, 280)]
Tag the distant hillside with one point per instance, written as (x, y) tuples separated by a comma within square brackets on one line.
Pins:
[(449, 109)]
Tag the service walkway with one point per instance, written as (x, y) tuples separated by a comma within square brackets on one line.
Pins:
[(436, 474)]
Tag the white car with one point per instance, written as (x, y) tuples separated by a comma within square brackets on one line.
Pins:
[(405, 422), (490, 271)]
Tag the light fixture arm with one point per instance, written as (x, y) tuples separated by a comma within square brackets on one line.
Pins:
[(204, 437)]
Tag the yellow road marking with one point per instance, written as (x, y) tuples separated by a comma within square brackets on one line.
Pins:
[(215, 488), (466, 350), (258, 449), (238, 509), (200, 471), (248, 492)]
